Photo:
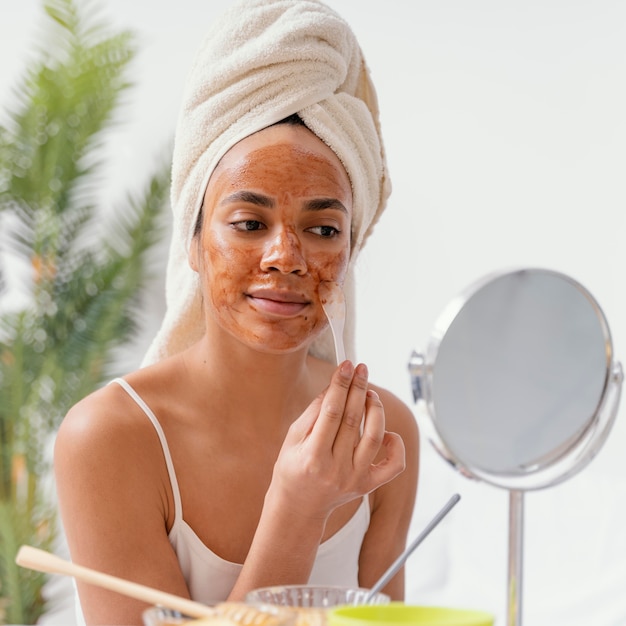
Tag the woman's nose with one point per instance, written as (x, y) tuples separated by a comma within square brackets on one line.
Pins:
[(284, 253)]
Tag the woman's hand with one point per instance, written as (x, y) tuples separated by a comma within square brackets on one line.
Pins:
[(338, 449)]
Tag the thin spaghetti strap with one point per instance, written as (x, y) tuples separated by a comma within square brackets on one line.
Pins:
[(178, 510)]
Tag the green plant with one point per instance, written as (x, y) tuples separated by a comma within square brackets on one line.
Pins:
[(80, 269)]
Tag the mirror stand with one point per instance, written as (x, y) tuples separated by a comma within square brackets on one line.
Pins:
[(516, 550)]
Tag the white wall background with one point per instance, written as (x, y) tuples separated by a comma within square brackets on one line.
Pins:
[(505, 127)]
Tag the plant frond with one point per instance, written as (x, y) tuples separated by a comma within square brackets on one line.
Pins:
[(21, 594), (84, 294), (64, 104)]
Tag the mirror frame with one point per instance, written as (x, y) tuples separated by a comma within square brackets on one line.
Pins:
[(573, 457)]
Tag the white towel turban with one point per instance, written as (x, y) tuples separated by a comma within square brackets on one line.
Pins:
[(262, 61)]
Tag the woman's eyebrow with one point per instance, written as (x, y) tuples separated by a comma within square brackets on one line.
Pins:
[(319, 204), (250, 197)]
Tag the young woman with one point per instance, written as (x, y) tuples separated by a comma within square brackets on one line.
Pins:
[(241, 459)]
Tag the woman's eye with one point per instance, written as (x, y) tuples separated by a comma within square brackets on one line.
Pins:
[(324, 231), (248, 225)]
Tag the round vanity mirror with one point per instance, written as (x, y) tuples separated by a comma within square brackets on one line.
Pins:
[(519, 379), (520, 387)]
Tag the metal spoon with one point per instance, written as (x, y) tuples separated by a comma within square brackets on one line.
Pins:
[(399, 562), (334, 305)]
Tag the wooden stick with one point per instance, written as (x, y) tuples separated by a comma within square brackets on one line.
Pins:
[(42, 561)]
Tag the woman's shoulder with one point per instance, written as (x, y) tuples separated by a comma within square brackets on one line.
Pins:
[(110, 412), (112, 406), (118, 417), (105, 416), (105, 441)]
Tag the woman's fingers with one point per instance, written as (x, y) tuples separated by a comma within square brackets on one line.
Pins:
[(351, 421), (302, 427), (375, 439), (333, 407), (392, 464), (349, 431), (371, 438)]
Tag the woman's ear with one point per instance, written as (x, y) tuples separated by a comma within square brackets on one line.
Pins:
[(194, 254)]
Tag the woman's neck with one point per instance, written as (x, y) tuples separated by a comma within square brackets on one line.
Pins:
[(277, 385)]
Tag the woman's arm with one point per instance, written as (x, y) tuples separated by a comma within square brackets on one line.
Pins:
[(111, 482), (324, 463), (392, 505)]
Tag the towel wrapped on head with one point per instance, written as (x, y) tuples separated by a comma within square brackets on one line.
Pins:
[(261, 62)]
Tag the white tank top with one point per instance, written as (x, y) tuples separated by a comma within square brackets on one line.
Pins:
[(211, 578)]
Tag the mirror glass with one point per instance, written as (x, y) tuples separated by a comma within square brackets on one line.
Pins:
[(516, 378)]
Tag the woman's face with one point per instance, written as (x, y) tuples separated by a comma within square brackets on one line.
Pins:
[(276, 222)]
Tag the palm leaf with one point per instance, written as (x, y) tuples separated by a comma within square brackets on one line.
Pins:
[(85, 284)]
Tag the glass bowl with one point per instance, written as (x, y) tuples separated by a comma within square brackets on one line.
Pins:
[(310, 603), (313, 596)]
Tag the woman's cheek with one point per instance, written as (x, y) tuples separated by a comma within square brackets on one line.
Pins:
[(223, 278), (333, 268)]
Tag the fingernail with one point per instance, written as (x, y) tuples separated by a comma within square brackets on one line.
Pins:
[(361, 370), (346, 368), (372, 394)]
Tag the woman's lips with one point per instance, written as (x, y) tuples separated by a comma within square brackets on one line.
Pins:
[(284, 304)]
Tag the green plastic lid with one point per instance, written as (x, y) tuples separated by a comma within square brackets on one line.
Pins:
[(398, 613)]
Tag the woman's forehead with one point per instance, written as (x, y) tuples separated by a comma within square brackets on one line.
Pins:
[(295, 135), (285, 154)]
